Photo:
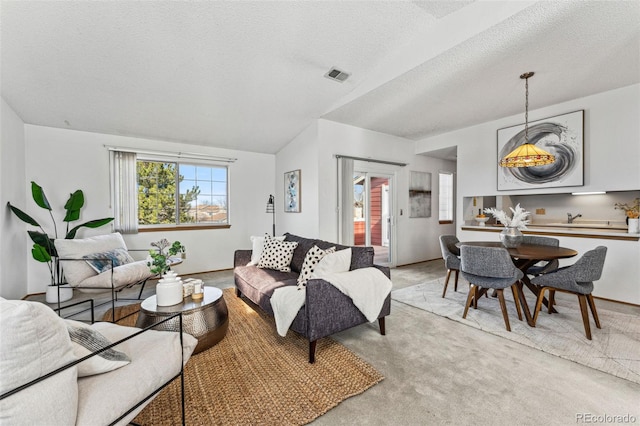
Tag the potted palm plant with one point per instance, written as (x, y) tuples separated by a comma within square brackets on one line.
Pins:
[(43, 249)]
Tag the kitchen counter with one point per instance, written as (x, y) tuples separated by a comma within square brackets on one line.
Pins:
[(566, 229)]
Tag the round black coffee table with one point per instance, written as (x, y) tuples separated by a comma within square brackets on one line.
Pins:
[(206, 319)]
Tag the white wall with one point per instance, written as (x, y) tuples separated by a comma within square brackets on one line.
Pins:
[(13, 236), (612, 145), (62, 161), (314, 153), (301, 153), (612, 163)]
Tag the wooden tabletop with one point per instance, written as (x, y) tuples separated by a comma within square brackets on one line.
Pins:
[(528, 251)]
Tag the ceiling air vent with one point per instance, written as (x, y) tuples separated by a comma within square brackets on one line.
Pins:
[(337, 75)]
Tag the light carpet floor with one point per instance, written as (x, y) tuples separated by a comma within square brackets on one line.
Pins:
[(615, 348)]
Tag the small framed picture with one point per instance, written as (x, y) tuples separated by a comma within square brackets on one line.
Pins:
[(292, 191)]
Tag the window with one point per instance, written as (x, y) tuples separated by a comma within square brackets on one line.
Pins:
[(445, 199), (176, 193)]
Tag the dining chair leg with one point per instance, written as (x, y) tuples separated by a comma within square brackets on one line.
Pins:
[(503, 307), (516, 300), (592, 306), (585, 315), (476, 296), (538, 304), (472, 289), (455, 285), (552, 300), (446, 282)]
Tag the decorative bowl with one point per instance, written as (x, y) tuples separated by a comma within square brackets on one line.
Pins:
[(481, 220)]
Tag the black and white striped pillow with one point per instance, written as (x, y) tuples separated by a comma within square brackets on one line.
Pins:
[(86, 340), (277, 254), (311, 260)]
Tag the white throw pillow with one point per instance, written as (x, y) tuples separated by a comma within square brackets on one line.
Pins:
[(277, 254), (86, 340), (339, 261), (311, 261), (75, 271), (34, 341), (257, 246)]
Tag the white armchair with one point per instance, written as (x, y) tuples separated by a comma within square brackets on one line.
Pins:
[(101, 263), (45, 380)]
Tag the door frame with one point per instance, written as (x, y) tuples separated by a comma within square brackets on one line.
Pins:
[(389, 172)]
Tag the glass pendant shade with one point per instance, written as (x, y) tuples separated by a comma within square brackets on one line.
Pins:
[(527, 155)]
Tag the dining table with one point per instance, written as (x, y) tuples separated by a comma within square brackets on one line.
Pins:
[(524, 256)]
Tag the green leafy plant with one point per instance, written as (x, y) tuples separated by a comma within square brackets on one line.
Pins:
[(43, 249), (158, 260)]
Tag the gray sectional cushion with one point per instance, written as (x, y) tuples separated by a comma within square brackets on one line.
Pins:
[(361, 256), (304, 244)]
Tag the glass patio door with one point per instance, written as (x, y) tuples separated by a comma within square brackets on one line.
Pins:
[(372, 214)]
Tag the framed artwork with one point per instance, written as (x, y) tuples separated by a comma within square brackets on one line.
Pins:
[(562, 136), (420, 194), (292, 191)]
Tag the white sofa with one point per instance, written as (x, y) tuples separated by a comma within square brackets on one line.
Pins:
[(35, 342)]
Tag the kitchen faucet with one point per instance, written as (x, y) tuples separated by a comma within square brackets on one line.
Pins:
[(570, 218)]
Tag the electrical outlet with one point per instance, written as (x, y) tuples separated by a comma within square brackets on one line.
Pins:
[(540, 211)]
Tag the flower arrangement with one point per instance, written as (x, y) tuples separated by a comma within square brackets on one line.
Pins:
[(518, 220), (158, 260), (632, 211)]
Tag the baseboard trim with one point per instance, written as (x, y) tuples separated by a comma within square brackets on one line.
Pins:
[(420, 261)]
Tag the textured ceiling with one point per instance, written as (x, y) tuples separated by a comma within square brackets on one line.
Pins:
[(249, 75), (575, 49)]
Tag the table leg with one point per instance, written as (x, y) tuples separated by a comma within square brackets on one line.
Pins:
[(525, 306), (523, 265), (535, 290)]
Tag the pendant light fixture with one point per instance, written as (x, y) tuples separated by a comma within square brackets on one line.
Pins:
[(527, 155)]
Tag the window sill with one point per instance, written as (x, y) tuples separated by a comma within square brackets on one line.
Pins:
[(182, 228), (445, 222)]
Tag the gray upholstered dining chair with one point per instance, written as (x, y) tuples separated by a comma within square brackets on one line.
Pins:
[(490, 267), (542, 267), (575, 279), (451, 256)]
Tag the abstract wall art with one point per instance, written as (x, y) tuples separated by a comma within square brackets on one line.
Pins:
[(292, 191), (420, 194), (562, 136)]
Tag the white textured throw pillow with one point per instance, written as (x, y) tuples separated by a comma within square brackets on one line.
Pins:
[(311, 260), (85, 340), (339, 261), (257, 246), (77, 271), (277, 254), (34, 341)]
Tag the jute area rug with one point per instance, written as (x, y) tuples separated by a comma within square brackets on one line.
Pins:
[(253, 376), (615, 348)]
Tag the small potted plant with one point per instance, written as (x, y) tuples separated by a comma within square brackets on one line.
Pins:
[(632, 211), (43, 249), (169, 288)]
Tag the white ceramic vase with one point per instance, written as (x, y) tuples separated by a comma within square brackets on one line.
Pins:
[(169, 290), (66, 293), (633, 226)]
